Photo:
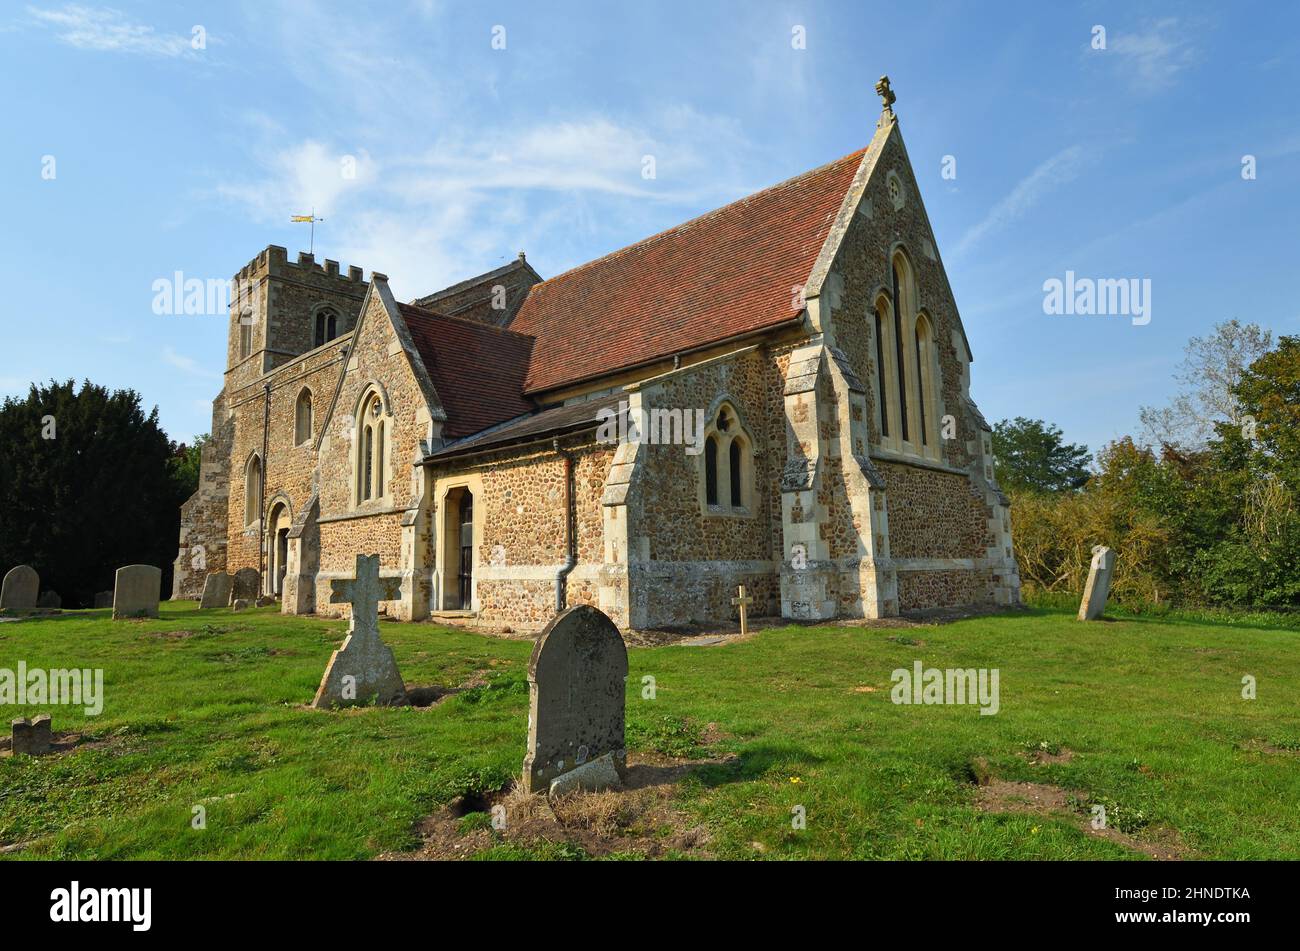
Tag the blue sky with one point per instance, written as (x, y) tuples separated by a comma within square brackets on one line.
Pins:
[(1117, 163)]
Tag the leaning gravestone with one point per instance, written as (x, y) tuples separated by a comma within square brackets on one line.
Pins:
[(363, 669), (136, 591), (1098, 588), (577, 682), (20, 588), (216, 590), (246, 585), (49, 600), (104, 599)]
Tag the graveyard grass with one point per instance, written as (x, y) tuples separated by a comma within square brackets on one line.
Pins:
[(207, 707)]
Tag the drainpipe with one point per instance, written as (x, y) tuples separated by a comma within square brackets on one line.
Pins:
[(570, 540), (261, 516)]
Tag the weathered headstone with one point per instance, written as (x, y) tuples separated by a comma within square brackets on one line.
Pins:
[(577, 682), (1098, 588), (31, 737), (49, 600), (104, 599), (136, 591), (19, 589), (216, 590), (364, 668), (247, 585)]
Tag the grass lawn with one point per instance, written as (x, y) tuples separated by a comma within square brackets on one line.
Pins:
[(1142, 716)]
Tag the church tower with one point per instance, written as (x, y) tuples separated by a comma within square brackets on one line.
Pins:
[(280, 310)]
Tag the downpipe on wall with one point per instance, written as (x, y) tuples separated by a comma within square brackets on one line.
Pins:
[(570, 541)]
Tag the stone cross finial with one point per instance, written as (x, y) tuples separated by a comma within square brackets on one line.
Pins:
[(887, 98)]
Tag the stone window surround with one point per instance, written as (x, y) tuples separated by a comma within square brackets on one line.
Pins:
[(253, 489), (724, 440), (381, 448), (299, 424), (894, 444), (324, 311)]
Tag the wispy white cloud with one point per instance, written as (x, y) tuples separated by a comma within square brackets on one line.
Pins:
[(441, 213), (106, 29), (188, 365), (1153, 56), (1061, 168)]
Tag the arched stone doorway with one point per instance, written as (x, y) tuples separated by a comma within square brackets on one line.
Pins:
[(278, 524)]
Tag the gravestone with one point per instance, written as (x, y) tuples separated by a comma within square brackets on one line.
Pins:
[(364, 668), (49, 600), (20, 588), (136, 591), (246, 586), (216, 590), (1098, 588), (31, 737), (577, 682), (104, 599)]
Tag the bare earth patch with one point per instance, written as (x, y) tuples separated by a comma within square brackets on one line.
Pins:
[(1003, 796), (61, 743), (1263, 746), (1043, 757), (639, 820)]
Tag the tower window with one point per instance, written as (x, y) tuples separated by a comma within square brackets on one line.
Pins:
[(326, 327)]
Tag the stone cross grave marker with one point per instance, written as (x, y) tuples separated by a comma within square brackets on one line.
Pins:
[(364, 667), (1098, 588), (20, 588), (136, 589), (577, 684), (743, 601)]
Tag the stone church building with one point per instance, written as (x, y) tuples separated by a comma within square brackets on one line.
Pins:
[(842, 469)]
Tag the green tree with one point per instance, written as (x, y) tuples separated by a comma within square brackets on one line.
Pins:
[(1211, 368), (184, 465), (86, 486), (1030, 455)]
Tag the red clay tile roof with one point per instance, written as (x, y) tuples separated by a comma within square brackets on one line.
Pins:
[(477, 370), (726, 273)]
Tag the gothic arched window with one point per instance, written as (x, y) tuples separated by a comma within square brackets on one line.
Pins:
[(923, 382), (711, 470), (902, 312), (253, 489), (882, 322), (371, 449), (728, 465), (302, 418), (326, 326)]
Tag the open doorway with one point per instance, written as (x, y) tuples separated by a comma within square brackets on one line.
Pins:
[(280, 522), (458, 550)]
